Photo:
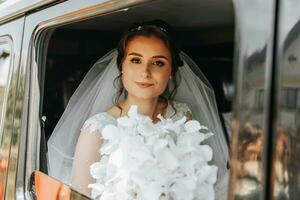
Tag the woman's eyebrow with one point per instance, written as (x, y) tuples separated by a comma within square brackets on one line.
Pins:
[(160, 56), (140, 55), (135, 54)]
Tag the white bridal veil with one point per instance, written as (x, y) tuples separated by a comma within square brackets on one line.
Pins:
[(95, 94)]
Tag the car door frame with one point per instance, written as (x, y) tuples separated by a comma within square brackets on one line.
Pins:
[(38, 23), (12, 32)]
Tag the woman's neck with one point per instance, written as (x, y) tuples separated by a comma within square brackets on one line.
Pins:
[(149, 107)]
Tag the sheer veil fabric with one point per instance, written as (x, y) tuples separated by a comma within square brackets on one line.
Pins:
[(95, 94)]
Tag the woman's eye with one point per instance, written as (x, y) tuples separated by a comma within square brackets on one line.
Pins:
[(135, 60), (159, 63)]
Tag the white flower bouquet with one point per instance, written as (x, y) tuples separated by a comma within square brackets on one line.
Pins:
[(145, 161)]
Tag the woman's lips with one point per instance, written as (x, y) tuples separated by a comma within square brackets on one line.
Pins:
[(144, 85)]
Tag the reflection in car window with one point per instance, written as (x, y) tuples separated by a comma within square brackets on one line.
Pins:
[(289, 98), (260, 99), (286, 139), (4, 81), (4, 73)]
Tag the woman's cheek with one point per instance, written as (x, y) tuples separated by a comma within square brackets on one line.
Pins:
[(127, 79), (131, 72), (163, 78), (162, 82), (124, 81), (164, 85)]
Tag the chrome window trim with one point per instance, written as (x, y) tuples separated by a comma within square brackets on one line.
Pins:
[(93, 10), (36, 24)]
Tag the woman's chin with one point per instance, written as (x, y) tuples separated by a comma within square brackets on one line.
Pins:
[(145, 95)]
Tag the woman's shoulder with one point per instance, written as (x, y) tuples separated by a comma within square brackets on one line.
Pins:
[(98, 121), (113, 111)]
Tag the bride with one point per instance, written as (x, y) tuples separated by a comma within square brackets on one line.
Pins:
[(148, 71)]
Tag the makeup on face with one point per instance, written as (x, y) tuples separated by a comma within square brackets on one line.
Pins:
[(146, 67)]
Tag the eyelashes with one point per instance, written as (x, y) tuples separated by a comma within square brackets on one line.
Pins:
[(158, 63), (135, 60)]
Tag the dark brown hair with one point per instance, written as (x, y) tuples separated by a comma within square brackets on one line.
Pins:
[(161, 31)]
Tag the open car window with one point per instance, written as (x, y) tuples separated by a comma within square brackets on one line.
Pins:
[(74, 48)]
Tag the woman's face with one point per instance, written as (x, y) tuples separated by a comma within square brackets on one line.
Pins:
[(146, 67)]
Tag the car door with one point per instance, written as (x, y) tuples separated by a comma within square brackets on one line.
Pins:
[(285, 143), (10, 52), (254, 70)]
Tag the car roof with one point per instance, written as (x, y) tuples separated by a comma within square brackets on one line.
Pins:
[(11, 9)]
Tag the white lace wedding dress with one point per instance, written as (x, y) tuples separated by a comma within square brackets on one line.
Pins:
[(90, 141), (98, 121)]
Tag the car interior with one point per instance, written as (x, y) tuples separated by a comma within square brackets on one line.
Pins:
[(204, 30)]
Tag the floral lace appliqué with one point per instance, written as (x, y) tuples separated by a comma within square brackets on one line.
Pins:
[(96, 122), (182, 109)]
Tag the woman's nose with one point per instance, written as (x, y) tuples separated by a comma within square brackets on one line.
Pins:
[(145, 71)]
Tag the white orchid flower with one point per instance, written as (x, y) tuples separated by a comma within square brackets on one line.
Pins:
[(141, 160)]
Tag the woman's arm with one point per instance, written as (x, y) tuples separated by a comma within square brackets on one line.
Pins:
[(86, 153)]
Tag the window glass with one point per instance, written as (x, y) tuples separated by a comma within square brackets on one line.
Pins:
[(4, 140), (286, 135), (4, 74), (291, 98), (75, 47), (288, 98), (260, 99)]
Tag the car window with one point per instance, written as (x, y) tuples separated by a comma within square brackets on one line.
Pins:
[(286, 137), (74, 48), (5, 60), (4, 74)]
